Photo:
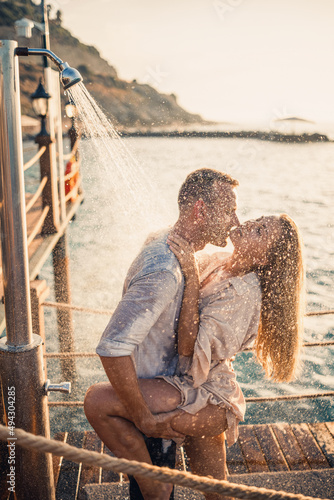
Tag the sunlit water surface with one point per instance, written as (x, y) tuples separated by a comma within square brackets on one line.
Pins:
[(131, 188)]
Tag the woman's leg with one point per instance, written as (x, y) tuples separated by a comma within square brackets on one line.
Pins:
[(207, 457)]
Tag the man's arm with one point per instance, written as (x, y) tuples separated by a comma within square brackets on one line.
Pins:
[(137, 312)]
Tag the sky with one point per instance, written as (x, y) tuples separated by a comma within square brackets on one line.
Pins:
[(237, 61)]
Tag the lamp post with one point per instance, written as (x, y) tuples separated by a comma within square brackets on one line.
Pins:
[(40, 99), (40, 105)]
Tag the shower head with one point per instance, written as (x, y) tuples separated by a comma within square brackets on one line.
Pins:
[(68, 76)]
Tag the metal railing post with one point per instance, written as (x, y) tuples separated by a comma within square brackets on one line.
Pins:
[(21, 355)]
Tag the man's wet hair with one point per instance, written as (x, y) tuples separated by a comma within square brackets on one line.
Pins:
[(199, 185)]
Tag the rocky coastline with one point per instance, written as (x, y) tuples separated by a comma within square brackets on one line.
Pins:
[(242, 134)]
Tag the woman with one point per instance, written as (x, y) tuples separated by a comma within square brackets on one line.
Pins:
[(216, 322)]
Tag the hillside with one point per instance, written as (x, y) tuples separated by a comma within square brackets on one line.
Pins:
[(128, 104)]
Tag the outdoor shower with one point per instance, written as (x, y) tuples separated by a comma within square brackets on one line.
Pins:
[(68, 76), (21, 350)]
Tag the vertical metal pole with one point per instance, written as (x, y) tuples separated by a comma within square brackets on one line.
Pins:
[(21, 355), (12, 198)]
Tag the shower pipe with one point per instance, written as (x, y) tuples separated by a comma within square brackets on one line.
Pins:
[(68, 76)]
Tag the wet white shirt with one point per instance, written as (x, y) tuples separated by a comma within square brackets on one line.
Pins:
[(144, 323)]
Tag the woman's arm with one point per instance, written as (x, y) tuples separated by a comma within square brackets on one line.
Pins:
[(189, 315)]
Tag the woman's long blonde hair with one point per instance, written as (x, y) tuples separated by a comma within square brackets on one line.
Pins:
[(280, 332)]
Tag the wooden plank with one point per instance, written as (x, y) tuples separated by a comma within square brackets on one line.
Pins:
[(310, 447), (330, 427), (56, 461), (89, 474), (270, 448), (109, 476), (68, 481), (289, 445), (325, 440), (235, 460), (251, 450)]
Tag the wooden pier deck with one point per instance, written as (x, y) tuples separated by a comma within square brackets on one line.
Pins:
[(268, 448)]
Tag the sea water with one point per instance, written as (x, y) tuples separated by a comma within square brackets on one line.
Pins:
[(122, 207)]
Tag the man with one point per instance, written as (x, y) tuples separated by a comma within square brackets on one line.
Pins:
[(140, 339)]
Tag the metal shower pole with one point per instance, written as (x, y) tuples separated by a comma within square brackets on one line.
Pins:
[(21, 356)]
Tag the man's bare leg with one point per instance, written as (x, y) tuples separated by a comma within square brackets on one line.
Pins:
[(113, 424), (129, 443)]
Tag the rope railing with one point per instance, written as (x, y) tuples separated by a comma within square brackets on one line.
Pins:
[(290, 397), (37, 194), (326, 343), (33, 160), (38, 226), (318, 344), (109, 312), (319, 313), (67, 355), (132, 467), (260, 399), (63, 305)]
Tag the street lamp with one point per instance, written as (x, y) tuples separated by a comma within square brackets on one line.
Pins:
[(71, 110), (40, 105), (24, 26)]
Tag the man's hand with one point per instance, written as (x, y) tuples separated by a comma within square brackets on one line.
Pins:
[(159, 426)]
